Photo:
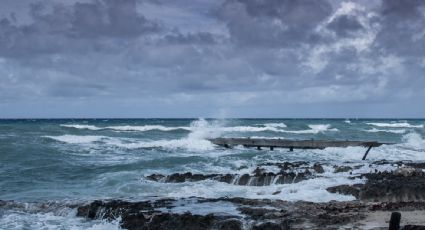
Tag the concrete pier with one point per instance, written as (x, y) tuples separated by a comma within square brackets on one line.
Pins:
[(293, 144)]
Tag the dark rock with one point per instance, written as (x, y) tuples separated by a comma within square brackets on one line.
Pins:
[(259, 171), (277, 192), (318, 168), (339, 169), (175, 221), (353, 190), (393, 187), (155, 177), (272, 226), (260, 178), (413, 227), (229, 224)]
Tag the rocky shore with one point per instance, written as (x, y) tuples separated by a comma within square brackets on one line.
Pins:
[(387, 187)]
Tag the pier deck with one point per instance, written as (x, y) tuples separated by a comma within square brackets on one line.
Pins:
[(293, 144)]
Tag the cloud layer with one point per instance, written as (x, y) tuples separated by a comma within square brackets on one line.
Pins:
[(244, 58)]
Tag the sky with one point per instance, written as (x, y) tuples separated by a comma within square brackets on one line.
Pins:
[(203, 58)]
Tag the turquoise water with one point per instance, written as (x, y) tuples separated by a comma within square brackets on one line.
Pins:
[(77, 160)]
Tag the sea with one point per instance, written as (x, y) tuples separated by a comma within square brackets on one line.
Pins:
[(47, 166)]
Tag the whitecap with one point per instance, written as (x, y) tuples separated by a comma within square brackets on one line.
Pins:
[(314, 129), (375, 130), (275, 125), (77, 126), (141, 128), (395, 125), (76, 139), (144, 128)]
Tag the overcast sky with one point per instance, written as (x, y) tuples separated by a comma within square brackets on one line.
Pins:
[(212, 58)]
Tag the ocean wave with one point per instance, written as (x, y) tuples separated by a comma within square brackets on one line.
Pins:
[(61, 219), (77, 126), (395, 125), (375, 130), (191, 144), (275, 125), (175, 144), (141, 128), (211, 129), (144, 128), (314, 129), (414, 140), (208, 128), (76, 139)]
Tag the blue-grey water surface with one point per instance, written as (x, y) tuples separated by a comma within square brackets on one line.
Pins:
[(77, 160)]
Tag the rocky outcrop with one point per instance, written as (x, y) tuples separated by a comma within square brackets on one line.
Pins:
[(339, 169), (259, 178), (394, 186), (402, 185), (255, 214), (353, 190), (144, 215)]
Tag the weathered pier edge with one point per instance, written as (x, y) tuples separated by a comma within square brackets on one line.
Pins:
[(293, 144)]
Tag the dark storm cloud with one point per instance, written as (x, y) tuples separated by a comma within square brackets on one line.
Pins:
[(345, 25), (403, 27), (274, 23), (241, 54), (60, 28)]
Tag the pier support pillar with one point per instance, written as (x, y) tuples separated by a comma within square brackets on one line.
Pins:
[(291, 149), (271, 148), (258, 148)]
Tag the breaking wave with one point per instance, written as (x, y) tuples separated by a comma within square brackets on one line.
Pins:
[(141, 128), (314, 129), (395, 125), (275, 125), (375, 130), (76, 139)]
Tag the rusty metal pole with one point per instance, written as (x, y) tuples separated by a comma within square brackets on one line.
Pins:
[(395, 221), (367, 151)]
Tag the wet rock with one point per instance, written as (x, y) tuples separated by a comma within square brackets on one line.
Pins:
[(142, 215), (353, 190), (318, 168), (260, 178), (408, 171), (413, 227), (175, 221), (258, 171), (420, 165), (242, 167), (272, 226), (155, 177), (258, 213), (179, 178), (277, 192), (230, 224), (395, 206), (339, 169), (254, 213), (394, 187), (242, 180), (112, 209)]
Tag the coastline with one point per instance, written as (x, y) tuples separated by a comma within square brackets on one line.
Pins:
[(401, 189)]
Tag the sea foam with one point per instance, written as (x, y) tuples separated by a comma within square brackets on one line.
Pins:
[(375, 130), (314, 129), (76, 139), (395, 125)]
